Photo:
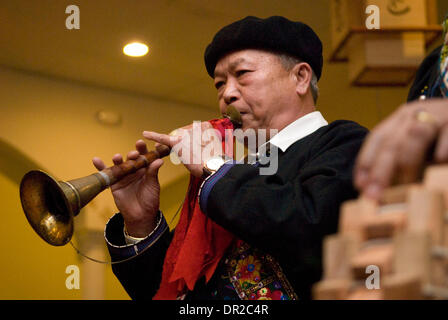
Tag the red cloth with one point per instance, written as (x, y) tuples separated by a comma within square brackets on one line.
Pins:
[(198, 243)]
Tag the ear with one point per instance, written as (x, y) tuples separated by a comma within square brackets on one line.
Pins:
[(302, 74)]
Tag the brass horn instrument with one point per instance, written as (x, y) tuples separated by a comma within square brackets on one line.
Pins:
[(50, 205)]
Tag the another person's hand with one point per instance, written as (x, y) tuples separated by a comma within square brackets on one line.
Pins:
[(192, 144), (137, 194), (397, 150)]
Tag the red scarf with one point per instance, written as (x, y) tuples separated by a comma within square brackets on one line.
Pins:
[(198, 243)]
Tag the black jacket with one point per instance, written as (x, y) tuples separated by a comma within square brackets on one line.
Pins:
[(286, 215), (426, 75)]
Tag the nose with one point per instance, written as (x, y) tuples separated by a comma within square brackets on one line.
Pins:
[(231, 92)]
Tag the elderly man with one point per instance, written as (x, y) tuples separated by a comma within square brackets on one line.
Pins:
[(241, 234)]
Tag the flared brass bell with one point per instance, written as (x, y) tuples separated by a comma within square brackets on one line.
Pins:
[(50, 205)]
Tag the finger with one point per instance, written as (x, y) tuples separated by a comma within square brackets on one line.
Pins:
[(410, 163), (153, 169), (155, 165), (384, 166), (360, 176), (141, 147), (380, 175), (98, 163), (161, 138), (375, 140), (413, 151), (381, 138), (366, 158), (441, 153), (132, 155), (117, 159)]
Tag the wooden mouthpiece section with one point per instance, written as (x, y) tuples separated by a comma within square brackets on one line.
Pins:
[(118, 172)]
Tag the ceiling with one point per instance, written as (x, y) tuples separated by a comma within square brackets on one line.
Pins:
[(33, 37)]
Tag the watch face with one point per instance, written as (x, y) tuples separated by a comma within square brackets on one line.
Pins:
[(214, 163)]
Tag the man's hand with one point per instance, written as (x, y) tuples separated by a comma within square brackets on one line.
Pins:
[(137, 194), (397, 149), (193, 144)]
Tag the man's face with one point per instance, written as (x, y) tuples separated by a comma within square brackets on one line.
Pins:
[(257, 85)]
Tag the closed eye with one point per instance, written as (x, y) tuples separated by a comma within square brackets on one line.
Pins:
[(219, 84), (241, 72)]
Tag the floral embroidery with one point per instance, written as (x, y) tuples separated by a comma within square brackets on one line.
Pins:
[(257, 276), (248, 270)]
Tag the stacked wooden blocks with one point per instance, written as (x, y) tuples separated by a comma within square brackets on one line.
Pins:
[(396, 248)]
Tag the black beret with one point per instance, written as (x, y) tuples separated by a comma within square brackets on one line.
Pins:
[(274, 33)]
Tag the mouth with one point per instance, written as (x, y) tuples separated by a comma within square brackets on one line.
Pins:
[(242, 113), (234, 115)]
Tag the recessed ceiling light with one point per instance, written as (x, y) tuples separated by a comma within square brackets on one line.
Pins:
[(135, 49)]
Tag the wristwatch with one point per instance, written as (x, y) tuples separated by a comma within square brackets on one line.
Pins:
[(212, 165)]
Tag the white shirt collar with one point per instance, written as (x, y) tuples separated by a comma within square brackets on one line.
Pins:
[(298, 129)]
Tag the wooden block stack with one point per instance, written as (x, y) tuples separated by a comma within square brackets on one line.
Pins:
[(394, 249)]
